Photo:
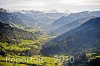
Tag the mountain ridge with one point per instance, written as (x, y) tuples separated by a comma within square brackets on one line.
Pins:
[(84, 37), (70, 26), (71, 18)]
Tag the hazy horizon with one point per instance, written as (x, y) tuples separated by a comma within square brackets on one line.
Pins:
[(52, 5)]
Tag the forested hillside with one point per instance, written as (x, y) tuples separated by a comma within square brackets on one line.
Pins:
[(84, 37), (20, 40), (70, 26)]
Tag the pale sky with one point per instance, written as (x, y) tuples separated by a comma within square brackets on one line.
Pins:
[(46, 5)]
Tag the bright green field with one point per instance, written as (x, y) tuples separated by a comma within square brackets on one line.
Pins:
[(37, 59)]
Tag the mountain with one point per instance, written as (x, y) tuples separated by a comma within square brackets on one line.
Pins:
[(96, 13), (75, 16), (70, 26), (28, 18), (7, 17), (14, 33), (21, 42), (80, 39), (71, 18), (40, 18)]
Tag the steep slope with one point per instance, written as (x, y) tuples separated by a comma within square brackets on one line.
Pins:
[(27, 20), (7, 17), (15, 33), (75, 16), (15, 41), (45, 16), (84, 37), (71, 18), (41, 19), (69, 26)]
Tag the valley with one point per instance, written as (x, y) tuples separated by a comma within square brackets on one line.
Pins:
[(34, 38)]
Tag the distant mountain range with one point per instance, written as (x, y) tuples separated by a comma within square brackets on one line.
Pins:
[(77, 40), (70, 26), (60, 24), (75, 16), (10, 18), (52, 23), (28, 18)]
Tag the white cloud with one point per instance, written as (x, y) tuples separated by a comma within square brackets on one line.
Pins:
[(61, 5)]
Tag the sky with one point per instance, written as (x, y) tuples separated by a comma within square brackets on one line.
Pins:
[(49, 5)]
